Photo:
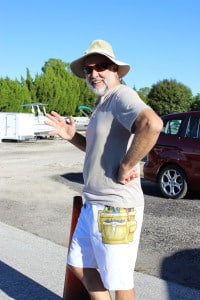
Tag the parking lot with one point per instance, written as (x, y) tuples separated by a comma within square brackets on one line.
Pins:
[(39, 180)]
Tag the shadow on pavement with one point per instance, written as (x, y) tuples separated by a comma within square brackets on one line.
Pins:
[(182, 267), (150, 188), (20, 287), (74, 177)]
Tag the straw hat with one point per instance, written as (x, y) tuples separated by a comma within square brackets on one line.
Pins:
[(103, 48)]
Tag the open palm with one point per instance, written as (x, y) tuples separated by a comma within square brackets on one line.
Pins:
[(65, 129)]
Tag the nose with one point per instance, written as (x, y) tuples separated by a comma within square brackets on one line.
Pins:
[(94, 73)]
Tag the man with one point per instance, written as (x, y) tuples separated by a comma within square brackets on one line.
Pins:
[(121, 131)]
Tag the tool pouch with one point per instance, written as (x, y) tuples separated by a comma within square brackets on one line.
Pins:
[(117, 225)]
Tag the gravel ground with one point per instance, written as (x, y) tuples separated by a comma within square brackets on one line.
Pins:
[(170, 240), (39, 180)]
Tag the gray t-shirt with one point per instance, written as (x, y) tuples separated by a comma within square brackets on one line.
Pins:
[(108, 137)]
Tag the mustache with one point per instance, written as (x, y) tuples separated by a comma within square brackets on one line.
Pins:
[(94, 80), (98, 91)]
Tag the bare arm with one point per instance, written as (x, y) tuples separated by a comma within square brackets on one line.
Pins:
[(146, 128), (79, 141), (66, 130)]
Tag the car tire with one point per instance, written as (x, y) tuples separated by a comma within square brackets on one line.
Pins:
[(172, 182)]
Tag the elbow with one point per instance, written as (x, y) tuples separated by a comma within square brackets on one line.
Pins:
[(148, 122), (157, 126), (153, 128)]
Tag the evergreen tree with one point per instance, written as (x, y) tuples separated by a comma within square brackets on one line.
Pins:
[(87, 97), (143, 93), (169, 96), (57, 87), (29, 84), (196, 103), (12, 95)]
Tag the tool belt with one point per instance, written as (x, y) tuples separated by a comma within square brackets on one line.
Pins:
[(117, 225)]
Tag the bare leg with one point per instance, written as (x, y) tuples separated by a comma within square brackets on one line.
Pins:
[(125, 295), (92, 282)]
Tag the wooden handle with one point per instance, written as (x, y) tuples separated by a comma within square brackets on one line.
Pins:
[(73, 287)]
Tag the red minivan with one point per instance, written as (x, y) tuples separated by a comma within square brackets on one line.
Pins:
[(174, 162)]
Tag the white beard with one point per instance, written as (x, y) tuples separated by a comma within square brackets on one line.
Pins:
[(101, 91)]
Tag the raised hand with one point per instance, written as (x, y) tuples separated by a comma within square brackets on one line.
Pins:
[(65, 129)]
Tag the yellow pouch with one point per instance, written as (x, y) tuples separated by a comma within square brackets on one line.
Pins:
[(117, 225)]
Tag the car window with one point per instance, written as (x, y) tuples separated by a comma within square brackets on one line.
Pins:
[(193, 127), (172, 126)]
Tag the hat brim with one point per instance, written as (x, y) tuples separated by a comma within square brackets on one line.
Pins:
[(78, 64)]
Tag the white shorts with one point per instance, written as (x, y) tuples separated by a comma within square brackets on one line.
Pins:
[(115, 262)]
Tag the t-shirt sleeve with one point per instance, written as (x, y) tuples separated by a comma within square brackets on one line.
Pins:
[(128, 105)]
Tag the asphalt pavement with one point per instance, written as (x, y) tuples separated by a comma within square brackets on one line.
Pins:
[(34, 268)]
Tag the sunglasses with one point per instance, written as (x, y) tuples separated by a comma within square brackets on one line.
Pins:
[(98, 67)]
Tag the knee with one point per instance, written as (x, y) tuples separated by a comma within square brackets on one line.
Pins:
[(125, 294), (71, 267), (78, 272)]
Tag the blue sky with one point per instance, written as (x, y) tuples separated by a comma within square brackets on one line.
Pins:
[(160, 39)]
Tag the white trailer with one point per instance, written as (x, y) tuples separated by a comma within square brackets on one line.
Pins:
[(24, 126), (16, 126)]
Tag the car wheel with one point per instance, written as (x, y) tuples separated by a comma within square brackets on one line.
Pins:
[(172, 182)]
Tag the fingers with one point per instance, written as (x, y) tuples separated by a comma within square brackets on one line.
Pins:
[(54, 116), (126, 177), (49, 120), (122, 182), (71, 120), (126, 180), (54, 113)]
